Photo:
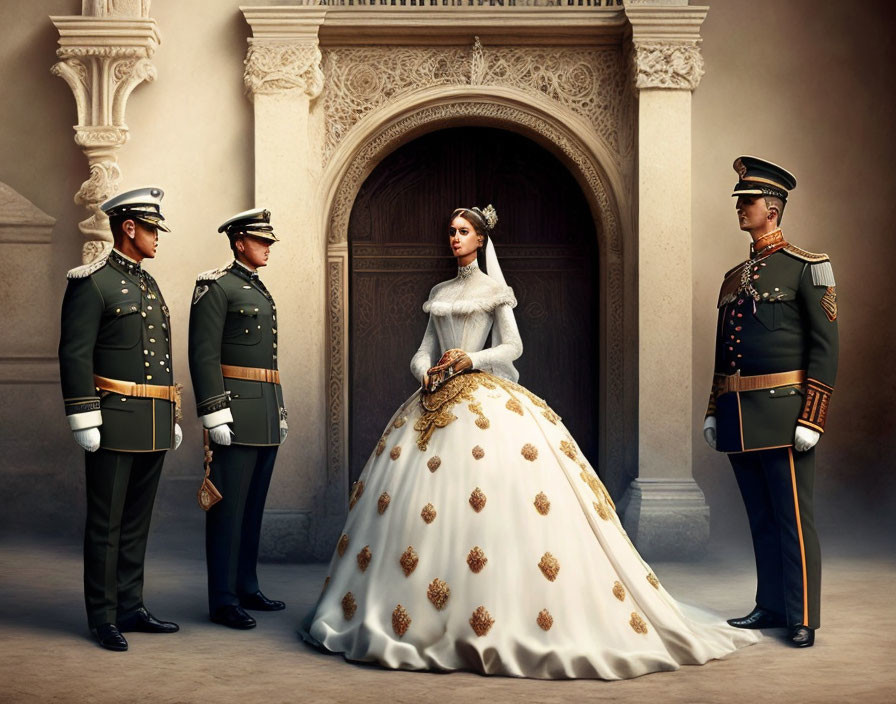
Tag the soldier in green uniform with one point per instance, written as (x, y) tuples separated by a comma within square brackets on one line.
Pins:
[(775, 365), (120, 399), (233, 362)]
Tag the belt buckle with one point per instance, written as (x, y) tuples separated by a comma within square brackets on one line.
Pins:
[(732, 382)]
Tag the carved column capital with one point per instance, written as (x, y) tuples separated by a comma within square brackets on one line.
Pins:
[(665, 44), (670, 65), (279, 67), (284, 56), (103, 57)]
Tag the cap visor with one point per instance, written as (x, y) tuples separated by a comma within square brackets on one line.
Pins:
[(266, 236), (747, 192), (158, 224)]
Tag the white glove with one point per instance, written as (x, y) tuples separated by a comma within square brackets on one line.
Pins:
[(89, 438), (221, 434), (178, 435), (804, 438), (709, 431)]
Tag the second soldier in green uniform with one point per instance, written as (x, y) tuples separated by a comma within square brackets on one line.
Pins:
[(233, 363)]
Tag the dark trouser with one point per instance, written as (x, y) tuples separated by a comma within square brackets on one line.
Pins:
[(242, 473), (121, 490), (776, 486)]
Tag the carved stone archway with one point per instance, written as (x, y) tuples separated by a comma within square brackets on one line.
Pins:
[(384, 131), (606, 88)]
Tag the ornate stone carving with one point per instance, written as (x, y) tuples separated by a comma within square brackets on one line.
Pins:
[(115, 8), (280, 67), (103, 56), (669, 65), (100, 136), (336, 368), (102, 185), (588, 81)]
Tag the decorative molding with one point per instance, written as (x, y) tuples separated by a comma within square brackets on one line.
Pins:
[(103, 56), (590, 81), (281, 67), (435, 23), (22, 222), (336, 492), (668, 65), (393, 132), (667, 519), (460, 5), (29, 370)]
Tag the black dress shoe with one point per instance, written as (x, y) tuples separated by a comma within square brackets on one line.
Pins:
[(259, 602), (233, 616), (144, 622), (108, 636), (801, 636), (758, 618)]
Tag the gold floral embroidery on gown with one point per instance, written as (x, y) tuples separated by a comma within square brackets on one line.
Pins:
[(482, 539)]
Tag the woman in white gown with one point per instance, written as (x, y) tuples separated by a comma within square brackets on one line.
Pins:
[(479, 537)]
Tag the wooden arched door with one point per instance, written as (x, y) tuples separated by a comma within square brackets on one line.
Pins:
[(398, 248)]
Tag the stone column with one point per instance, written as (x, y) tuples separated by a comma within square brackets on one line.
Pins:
[(103, 55), (664, 511), (283, 76)]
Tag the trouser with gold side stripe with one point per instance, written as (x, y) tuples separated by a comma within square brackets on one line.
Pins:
[(776, 486), (242, 473), (121, 490)]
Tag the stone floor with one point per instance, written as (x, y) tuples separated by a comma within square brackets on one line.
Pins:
[(46, 654)]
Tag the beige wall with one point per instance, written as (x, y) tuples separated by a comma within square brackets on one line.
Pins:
[(804, 83)]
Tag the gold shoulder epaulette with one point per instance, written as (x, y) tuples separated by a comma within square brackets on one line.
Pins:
[(85, 270), (213, 274), (810, 257)]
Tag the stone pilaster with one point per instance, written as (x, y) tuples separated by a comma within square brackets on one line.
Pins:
[(664, 510), (103, 57), (283, 77)]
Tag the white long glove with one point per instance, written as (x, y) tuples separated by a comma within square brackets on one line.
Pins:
[(178, 435), (709, 431), (89, 438), (221, 434), (284, 429), (804, 438)]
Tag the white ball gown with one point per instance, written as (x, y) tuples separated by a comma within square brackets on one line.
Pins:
[(479, 538)]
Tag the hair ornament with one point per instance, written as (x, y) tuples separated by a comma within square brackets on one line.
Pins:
[(488, 214)]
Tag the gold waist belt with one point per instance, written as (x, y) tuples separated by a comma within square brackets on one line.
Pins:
[(130, 388), (271, 376), (736, 382)]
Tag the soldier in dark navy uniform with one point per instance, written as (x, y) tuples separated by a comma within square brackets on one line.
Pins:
[(775, 366), (120, 399), (233, 362)]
